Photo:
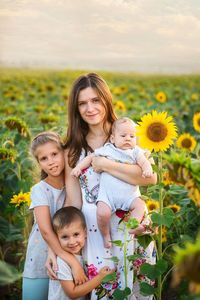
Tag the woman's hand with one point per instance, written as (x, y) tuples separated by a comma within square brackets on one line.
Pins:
[(98, 163), (51, 264)]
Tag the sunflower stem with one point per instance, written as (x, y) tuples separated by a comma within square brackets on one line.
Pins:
[(160, 178)]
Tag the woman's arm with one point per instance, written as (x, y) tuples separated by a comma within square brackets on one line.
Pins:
[(131, 174), (43, 219), (72, 185), (76, 291)]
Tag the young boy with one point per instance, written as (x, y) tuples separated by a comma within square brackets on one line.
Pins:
[(70, 227), (114, 193)]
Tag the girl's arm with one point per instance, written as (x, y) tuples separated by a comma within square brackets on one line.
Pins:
[(72, 185), (43, 219), (76, 291), (131, 174)]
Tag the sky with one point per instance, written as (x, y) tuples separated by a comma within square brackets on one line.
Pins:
[(149, 36)]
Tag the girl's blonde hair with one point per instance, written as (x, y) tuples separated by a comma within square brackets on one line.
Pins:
[(41, 139)]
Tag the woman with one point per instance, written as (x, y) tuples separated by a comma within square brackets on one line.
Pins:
[(90, 115)]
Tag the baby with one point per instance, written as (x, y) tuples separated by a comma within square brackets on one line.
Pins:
[(114, 193)]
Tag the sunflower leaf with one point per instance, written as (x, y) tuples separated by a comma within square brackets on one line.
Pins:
[(165, 219)]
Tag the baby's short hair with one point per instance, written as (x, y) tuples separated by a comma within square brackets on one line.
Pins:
[(67, 215), (121, 121)]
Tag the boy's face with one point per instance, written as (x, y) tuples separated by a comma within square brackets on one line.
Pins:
[(124, 136), (72, 237)]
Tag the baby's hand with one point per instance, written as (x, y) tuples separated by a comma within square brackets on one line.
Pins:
[(105, 271), (76, 172), (147, 172)]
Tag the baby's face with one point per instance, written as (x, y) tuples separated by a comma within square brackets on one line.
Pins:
[(124, 136)]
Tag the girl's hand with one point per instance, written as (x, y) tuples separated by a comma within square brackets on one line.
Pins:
[(51, 264), (98, 163), (78, 274)]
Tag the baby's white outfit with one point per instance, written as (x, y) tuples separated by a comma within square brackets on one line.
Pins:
[(117, 194)]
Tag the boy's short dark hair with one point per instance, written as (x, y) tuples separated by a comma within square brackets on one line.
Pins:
[(67, 215)]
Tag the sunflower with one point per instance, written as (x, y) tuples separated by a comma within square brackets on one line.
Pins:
[(186, 141), (8, 154), (156, 131), (21, 198), (196, 121), (152, 205), (194, 96), (187, 262), (174, 207), (120, 106), (161, 97), (16, 123)]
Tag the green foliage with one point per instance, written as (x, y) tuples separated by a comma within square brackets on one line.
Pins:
[(121, 294), (8, 273), (110, 277), (147, 289), (153, 271), (165, 219), (41, 96)]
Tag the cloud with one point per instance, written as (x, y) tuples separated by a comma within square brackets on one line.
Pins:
[(102, 34)]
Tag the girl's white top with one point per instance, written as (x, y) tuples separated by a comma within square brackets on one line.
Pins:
[(42, 194)]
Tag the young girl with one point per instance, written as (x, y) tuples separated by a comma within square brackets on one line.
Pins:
[(47, 197)]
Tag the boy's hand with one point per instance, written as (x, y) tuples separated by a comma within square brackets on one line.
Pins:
[(76, 172), (79, 274), (105, 271)]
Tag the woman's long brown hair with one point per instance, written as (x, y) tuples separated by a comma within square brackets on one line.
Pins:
[(78, 129)]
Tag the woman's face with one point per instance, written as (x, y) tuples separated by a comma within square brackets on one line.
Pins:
[(91, 107)]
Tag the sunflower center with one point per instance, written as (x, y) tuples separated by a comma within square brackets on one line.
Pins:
[(157, 132), (152, 206), (186, 143), (198, 121)]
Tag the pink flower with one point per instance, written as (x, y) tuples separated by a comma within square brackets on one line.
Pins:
[(115, 285), (92, 271), (138, 262)]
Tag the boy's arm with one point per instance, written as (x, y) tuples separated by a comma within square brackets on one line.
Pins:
[(43, 219), (76, 291), (83, 164)]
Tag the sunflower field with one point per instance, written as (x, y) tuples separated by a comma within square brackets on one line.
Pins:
[(167, 110)]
